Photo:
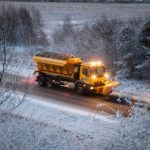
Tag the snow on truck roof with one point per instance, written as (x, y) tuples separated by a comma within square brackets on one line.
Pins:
[(60, 56)]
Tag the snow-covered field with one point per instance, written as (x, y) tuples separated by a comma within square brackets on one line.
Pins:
[(53, 14)]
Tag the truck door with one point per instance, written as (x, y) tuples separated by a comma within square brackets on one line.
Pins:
[(84, 74)]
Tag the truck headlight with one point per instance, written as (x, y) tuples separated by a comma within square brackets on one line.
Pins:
[(94, 76), (91, 88), (107, 76)]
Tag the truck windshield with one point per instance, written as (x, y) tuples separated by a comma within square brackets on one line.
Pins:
[(99, 71)]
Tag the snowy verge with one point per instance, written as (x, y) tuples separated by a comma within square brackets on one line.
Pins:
[(71, 117)]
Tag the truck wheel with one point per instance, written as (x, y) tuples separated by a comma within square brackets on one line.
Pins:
[(80, 88), (49, 83), (41, 81)]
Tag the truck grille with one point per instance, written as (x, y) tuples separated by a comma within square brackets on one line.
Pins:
[(100, 83)]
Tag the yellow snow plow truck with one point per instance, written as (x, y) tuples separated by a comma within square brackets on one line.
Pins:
[(67, 70)]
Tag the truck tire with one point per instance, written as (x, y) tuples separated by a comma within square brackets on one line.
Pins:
[(41, 81), (49, 83), (80, 89)]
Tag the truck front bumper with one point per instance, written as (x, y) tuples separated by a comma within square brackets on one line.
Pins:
[(104, 89)]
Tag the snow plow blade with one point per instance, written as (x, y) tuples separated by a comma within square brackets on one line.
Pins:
[(114, 83)]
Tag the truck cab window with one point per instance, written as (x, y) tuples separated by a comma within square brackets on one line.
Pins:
[(99, 71)]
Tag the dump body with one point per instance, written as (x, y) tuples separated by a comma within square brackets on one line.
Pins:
[(56, 63)]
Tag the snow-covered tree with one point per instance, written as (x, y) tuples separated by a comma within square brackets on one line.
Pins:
[(40, 36)]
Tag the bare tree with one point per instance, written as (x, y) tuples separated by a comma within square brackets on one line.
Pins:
[(3, 49), (10, 99)]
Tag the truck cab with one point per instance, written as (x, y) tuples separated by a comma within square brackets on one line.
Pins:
[(93, 77)]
